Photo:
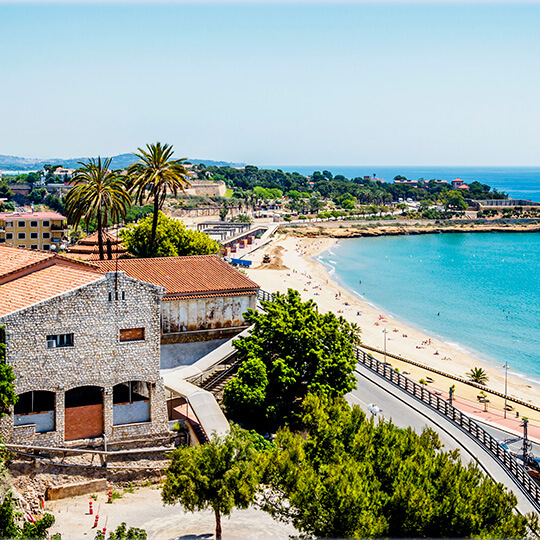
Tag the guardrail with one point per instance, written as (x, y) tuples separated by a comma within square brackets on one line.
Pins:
[(264, 296), (454, 377), (479, 434)]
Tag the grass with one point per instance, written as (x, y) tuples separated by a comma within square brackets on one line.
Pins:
[(228, 193)]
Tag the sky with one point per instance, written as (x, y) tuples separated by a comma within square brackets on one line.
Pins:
[(342, 83)]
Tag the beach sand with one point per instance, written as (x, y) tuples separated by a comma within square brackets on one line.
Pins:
[(292, 266)]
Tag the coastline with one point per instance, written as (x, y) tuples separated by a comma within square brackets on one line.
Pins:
[(359, 229), (293, 265)]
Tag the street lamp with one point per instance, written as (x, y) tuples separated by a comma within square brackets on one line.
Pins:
[(505, 385), (385, 332)]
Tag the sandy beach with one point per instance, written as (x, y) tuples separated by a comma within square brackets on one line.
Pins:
[(292, 266)]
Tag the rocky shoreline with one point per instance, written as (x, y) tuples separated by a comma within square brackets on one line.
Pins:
[(341, 230)]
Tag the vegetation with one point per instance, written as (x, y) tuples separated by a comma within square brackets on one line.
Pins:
[(123, 533), (344, 476), (292, 350), (11, 528), (7, 390), (478, 375), (99, 193), (155, 175), (9, 518), (172, 238), (221, 475)]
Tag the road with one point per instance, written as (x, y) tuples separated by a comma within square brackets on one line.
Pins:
[(404, 411)]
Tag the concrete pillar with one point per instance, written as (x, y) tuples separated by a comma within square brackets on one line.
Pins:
[(60, 415), (108, 411)]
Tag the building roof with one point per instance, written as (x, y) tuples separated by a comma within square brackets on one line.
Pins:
[(42, 285), (88, 248), (196, 276), (14, 260), (32, 215)]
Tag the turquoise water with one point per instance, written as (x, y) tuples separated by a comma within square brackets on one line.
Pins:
[(479, 290)]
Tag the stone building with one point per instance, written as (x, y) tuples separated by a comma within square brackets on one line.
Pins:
[(85, 350), (205, 298)]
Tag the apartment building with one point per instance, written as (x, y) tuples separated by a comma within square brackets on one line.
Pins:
[(33, 230)]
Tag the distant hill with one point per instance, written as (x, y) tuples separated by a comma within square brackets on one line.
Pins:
[(121, 161)]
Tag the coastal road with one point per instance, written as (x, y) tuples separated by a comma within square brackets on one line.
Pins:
[(404, 411)]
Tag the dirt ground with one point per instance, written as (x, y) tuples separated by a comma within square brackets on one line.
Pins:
[(142, 507)]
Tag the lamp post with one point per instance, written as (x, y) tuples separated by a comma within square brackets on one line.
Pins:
[(384, 332), (505, 385)]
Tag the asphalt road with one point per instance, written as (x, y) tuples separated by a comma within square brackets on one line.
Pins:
[(404, 411)]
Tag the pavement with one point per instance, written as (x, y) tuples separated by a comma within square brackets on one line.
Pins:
[(143, 508)]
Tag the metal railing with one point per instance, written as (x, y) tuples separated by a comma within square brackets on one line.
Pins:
[(479, 434), (264, 296)]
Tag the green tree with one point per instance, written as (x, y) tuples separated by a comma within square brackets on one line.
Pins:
[(155, 175), (453, 199), (98, 193), (344, 476), (221, 474), (5, 192), (172, 238), (7, 390), (123, 533), (9, 523), (478, 375), (291, 350)]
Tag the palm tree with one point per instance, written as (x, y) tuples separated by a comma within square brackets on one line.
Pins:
[(98, 193), (153, 176), (478, 375)]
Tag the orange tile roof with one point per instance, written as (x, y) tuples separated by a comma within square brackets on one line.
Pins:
[(13, 258), (185, 276), (42, 285)]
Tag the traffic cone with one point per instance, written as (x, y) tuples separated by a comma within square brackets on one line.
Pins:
[(90, 508)]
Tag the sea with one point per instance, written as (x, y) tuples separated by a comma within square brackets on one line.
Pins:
[(478, 291), (517, 182)]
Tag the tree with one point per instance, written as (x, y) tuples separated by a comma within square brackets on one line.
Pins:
[(172, 238), (221, 474), (478, 375), (453, 199), (123, 533), (345, 476), (99, 193), (7, 390), (9, 523), (155, 175), (5, 192), (291, 350)]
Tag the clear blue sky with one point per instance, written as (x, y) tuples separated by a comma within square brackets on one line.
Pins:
[(285, 83)]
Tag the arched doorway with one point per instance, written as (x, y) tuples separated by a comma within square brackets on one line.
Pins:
[(36, 407), (131, 403), (84, 413)]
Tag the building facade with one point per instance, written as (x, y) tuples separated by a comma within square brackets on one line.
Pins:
[(85, 350), (205, 297), (33, 230)]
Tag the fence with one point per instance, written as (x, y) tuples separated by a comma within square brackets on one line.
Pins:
[(479, 434)]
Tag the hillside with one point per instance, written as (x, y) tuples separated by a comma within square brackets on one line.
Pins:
[(16, 163)]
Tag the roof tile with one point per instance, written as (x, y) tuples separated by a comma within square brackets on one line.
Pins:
[(197, 274), (42, 285)]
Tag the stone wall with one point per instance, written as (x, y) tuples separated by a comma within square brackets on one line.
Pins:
[(97, 357)]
